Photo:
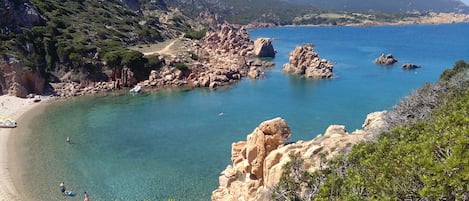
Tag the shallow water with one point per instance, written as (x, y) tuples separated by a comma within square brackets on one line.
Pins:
[(174, 144)]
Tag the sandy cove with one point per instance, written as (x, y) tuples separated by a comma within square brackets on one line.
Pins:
[(14, 108)]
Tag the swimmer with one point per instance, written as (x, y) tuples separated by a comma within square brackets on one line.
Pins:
[(68, 139), (86, 197), (62, 187)]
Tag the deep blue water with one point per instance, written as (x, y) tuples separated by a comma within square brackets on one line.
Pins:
[(174, 144)]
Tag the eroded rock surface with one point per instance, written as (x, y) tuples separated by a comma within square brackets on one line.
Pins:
[(258, 161)]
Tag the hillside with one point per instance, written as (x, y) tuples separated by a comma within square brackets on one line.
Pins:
[(398, 6), (76, 38), (282, 12)]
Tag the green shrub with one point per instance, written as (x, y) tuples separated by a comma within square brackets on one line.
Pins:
[(193, 34), (181, 66)]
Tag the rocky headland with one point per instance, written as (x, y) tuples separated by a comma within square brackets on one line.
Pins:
[(305, 61), (257, 163)]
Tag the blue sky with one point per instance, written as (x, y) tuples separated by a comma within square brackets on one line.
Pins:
[(466, 2)]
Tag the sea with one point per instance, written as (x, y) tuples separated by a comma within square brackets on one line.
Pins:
[(172, 144)]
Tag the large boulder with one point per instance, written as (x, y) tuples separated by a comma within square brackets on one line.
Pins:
[(263, 47), (248, 159), (305, 61)]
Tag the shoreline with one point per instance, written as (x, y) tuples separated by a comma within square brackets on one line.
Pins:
[(15, 108)]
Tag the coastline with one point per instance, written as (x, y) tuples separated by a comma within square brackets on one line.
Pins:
[(13, 107), (24, 109)]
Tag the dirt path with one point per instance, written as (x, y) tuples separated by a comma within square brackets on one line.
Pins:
[(169, 47), (166, 50)]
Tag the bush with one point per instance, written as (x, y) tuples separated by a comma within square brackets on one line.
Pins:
[(181, 66), (193, 34)]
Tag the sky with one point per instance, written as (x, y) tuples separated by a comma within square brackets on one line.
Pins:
[(466, 2)]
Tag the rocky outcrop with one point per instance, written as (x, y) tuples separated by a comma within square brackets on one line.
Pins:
[(258, 162), (246, 174), (410, 66), (18, 14), (132, 4), (388, 59), (305, 61), (18, 80), (224, 56), (263, 47)]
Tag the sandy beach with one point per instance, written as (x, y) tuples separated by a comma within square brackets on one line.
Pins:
[(12, 107)]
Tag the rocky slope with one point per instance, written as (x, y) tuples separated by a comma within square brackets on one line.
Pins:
[(224, 56), (258, 161), (18, 80)]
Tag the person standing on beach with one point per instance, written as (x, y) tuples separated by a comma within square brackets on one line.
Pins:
[(62, 187), (86, 197)]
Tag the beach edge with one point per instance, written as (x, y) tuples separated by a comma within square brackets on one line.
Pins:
[(12, 107)]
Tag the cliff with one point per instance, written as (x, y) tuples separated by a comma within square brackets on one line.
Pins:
[(258, 161), (19, 80)]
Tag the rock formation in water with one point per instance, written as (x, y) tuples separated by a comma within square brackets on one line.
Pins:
[(258, 161), (410, 66), (263, 47), (386, 59), (305, 61)]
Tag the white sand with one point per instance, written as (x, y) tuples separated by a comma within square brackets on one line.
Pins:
[(12, 107)]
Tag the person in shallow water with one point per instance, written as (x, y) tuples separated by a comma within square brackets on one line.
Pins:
[(86, 197), (62, 187)]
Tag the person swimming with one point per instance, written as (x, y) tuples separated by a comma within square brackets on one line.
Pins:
[(62, 187), (86, 197)]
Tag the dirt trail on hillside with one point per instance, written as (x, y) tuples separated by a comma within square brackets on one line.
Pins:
[(166, 50), (169, 47)]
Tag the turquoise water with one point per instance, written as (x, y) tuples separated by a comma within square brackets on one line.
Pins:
[(174, 144)]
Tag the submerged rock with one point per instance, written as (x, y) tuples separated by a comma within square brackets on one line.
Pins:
[(410, 66)]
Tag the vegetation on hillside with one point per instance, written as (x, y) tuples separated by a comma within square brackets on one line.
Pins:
[(388, 6), (78, 36), (426, 158), (297, 12)]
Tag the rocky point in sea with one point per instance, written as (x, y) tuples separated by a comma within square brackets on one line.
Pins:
[(305, 61)]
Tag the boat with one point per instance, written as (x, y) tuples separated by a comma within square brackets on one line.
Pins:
[(7, 123), (136, 89)]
